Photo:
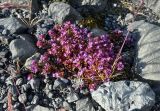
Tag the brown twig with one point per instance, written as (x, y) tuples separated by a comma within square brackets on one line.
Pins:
[(120, 51), (9, 101)]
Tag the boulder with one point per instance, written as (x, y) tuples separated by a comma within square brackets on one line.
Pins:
[(22, 48), (95, 6), (62, 12), (124, 96), (147, 57), (14, 25), (152, 4)]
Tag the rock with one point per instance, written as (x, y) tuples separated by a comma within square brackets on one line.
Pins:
[(147, 50), (13, 90), (62, 12), (72, 97), (97, 32), (22, 49), (34, 7), (59, 100), (124, 96), (19, 81), (58, 83), (35, 100), (14, 25), (25, 87), (28, 62), (129, 18), (50, 95), (4, 105), (5, 32), (38, 108), (16, 105), (152, 4), (35, 83), (6, 12), (67, 106), (22, 98), (95, 6), (84, 105)]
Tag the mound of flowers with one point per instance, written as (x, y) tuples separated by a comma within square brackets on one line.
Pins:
[(71, 52)]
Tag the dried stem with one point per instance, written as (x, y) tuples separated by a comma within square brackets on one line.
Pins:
[(9, 101), (120, 51)]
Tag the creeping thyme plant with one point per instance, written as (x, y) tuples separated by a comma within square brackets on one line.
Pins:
[(71, 52)]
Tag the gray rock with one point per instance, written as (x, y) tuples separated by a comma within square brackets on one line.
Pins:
[(13, 90), (129, 18), (14, 98), (16, 105), (4, 105), (22, 49), (28, 62), (72, 97), (147, 50), (19, 81), (22, 98), (14, 25), (25, 87), (95, 6), (59, 101), (50, 95), (35, 83), (5, 32), (58, 83), (152, 4), (67, 106), (98, 32), (38, 108), (84, 105), (124, 96), (62, 12), (35, 100)]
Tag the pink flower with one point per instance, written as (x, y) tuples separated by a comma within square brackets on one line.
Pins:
[(41, 37), (40, 44), (120, 66)]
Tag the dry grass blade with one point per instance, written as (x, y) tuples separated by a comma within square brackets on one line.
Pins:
[(120, 51)]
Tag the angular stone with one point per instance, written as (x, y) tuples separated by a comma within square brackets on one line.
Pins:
[(14, 25), (22, 98), (95, 6), (62, 12), (35, 83), (147, 50), (84, 105), (38, 108), (124, 96), (72, 97), (152, 4), (22, 49), (28, 62)]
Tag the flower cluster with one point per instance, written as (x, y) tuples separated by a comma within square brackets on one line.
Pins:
[(72, 52)]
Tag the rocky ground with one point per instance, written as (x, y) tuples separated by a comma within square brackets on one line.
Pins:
[(136, 90)]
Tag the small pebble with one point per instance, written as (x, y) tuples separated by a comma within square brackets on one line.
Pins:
[(22, 98)]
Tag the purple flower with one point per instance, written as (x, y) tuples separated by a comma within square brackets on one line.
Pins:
[(44, 58), (120, 66), (34, 66), (41, 37)]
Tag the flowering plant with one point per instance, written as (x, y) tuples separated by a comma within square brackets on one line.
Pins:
[(71, 52)]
